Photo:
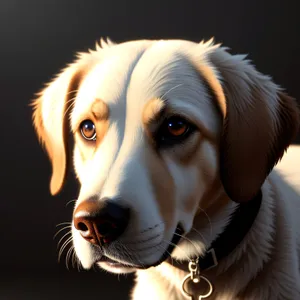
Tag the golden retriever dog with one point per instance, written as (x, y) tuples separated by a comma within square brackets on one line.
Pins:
[(175, 148)]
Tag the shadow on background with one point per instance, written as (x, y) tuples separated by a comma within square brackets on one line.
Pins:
[(37, 39), (62, 285)]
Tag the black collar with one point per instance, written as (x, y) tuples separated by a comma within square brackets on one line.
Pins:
[(240, 223)]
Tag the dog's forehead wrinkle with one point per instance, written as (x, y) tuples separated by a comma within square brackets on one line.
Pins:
[(159, 73), (172, 75), (174, 80)]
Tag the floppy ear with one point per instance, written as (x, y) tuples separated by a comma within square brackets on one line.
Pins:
[(260, 121), (50, 119), (53, 106)]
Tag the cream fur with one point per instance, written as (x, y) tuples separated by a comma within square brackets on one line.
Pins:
[(244, 123), (265, 265)]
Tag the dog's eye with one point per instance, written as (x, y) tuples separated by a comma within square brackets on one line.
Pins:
[(88, 130), (173, 130), (176, 126)]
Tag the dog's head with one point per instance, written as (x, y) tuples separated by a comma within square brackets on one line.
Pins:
[(161, 128)]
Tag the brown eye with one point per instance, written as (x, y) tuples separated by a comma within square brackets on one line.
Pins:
[(88, 130), (174, 130), (177, 126)]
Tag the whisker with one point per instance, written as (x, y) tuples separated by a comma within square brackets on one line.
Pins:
[(69, 108), (135, 254), (74, 91), (62, 229), (74, 259), (151, 228), (208, 218), (177, 246), (171, 89), (159, 246), (58, 244), (68, 257), (129, 254), (201, 235), (63, 223), (74, 200), (187, 239), (79, 265), (70, 100), (66, 243), (144, 248), (143, 241)]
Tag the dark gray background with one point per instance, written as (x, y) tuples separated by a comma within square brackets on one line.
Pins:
[(37, 38)]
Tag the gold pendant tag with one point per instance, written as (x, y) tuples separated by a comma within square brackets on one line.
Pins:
[(195, 286)]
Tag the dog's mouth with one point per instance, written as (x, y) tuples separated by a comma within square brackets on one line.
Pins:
[(110, 263), (175, 240)]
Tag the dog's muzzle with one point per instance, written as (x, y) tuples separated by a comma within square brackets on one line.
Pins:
[(103, 222)]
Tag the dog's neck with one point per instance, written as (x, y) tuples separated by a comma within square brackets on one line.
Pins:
[(241, 266), (234, 232)]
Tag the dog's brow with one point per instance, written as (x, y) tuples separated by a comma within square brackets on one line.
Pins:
[(154, 111), (100, 110)]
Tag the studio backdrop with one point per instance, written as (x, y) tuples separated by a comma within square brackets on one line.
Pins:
[(37, 39)]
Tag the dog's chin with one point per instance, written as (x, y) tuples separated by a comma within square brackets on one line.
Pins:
[(116, 267)]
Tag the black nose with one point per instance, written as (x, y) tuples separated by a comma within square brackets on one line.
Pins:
[(100, 221)]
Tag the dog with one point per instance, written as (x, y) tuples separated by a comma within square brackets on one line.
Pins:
[(176, 148)]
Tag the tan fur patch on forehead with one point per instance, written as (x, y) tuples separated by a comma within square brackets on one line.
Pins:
[(99, 115), (101, 128), (152, 109), (100, 109)]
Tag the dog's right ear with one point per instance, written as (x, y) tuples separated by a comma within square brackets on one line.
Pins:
[(53, 106), (50, 119)]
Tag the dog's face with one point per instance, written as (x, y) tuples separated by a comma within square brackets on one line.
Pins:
[(160, 129)]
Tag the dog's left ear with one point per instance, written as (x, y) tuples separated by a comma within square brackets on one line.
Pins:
[(259, 123)]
